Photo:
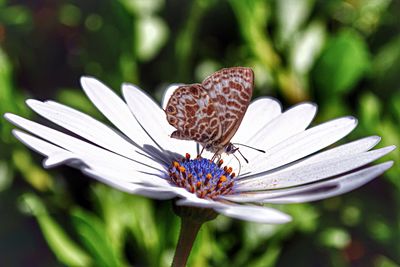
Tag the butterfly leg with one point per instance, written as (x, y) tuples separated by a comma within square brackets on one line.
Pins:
[(216, 157), (201, 152)]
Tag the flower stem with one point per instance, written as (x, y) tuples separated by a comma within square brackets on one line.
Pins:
[(187, 235), (192, 219)]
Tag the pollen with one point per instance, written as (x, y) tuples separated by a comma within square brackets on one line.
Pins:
[(202, 176), (181, 169)]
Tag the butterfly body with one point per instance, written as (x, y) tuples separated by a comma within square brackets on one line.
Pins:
[(210, 113)]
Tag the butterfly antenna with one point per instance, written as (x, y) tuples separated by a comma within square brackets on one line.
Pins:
[(259, 150), (240, 165), (247, 161)]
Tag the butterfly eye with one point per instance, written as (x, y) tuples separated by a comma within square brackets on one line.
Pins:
[(230, 148)]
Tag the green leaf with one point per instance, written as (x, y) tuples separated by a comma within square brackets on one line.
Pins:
[(16, 15), (32, 173), (342, 64), (93, 234), (63, 247), (383, 261), (371, 110), (124, 213), (386, 65), (268, 258)]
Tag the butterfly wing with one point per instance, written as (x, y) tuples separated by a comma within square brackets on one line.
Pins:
[(192, 112), (230, 90)]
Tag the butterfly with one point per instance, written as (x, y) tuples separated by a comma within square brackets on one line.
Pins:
[(210, 112)]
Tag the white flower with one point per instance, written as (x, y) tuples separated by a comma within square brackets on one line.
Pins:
[(141, 158)]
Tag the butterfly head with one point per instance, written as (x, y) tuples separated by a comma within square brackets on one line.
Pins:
[(230, 148), (217, 148)]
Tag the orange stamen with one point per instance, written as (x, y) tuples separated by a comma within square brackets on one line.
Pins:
[(181, 169)]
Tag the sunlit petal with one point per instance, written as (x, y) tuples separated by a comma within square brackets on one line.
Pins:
[(310, 173), (315, 191), (303, 144), (153, 119)]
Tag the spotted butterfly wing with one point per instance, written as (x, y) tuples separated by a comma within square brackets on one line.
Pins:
[(210, 113), (191, 111), (230, 90)]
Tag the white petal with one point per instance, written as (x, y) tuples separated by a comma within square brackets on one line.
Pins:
[(336, 187), (88, 128), (304, 143), (310, 173), (194, 201), (132, 188), (120, 170), (52, 151), (129, 181), (242, 212), (259, 113), (89, 153), (116, 111), (289, 123), (153, 119), (351, 148), (168, 93), (255, 214), (128, 173), (54, 154), (344, 150), (315, 191)]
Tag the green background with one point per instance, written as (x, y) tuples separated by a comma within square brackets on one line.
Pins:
[(343, 55)]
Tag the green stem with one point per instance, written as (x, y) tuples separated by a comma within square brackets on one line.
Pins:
[(187, 235)]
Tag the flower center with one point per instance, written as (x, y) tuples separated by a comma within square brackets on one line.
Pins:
[(203, 177)]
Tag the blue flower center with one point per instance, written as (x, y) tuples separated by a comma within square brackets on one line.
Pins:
[(202, 177)]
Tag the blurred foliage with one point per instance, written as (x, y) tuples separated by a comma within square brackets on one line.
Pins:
[(343, 55)]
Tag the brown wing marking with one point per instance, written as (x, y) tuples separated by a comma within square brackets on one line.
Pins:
[(192, 112), (230, 89)]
